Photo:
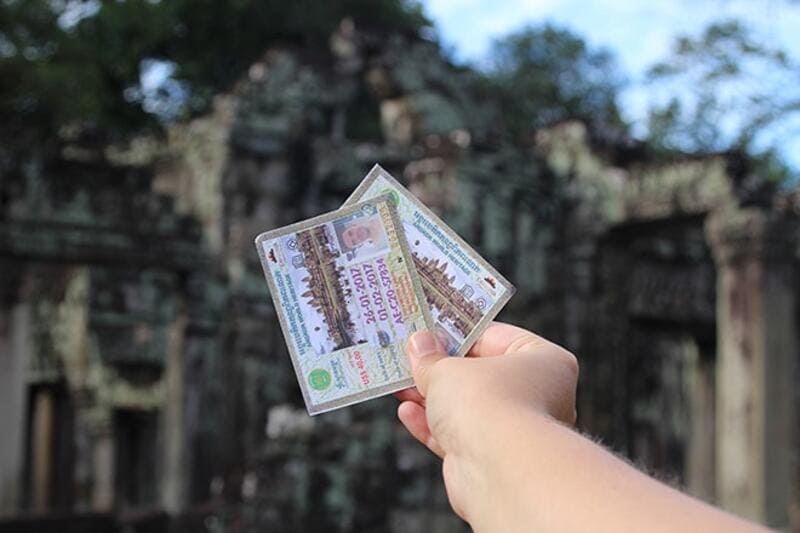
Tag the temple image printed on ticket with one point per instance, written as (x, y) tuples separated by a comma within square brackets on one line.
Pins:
[(464, 291)]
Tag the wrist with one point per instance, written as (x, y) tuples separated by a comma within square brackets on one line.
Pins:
[(506, 494)]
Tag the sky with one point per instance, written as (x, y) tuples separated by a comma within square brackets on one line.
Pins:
[(638, 32)]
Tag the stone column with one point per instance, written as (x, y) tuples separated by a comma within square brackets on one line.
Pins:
[(42, 435), (15, 333), (103, 467), (175, 451), (756, 356), (700, 441)]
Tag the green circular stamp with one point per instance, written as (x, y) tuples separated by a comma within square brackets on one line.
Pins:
[(395, 197), (319, 379)]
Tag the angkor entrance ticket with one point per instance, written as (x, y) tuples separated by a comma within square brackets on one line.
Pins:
[(347, 297), (464, 291)]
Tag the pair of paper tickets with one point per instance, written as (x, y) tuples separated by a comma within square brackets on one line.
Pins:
[(351, 286)]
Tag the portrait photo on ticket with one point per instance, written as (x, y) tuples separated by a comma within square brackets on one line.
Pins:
[(464, 291), (347, 297)]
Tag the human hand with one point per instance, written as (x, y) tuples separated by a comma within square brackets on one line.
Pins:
[(461, 406)]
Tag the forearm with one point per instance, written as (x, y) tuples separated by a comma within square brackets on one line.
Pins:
[(539, 475), (509, 466)]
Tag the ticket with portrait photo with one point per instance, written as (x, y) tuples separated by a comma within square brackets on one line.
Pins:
[(464, 291), (347, 296)]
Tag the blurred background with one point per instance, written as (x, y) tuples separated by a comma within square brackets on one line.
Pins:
[(631, 166)]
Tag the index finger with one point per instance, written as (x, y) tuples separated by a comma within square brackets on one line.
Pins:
[(501, 338)]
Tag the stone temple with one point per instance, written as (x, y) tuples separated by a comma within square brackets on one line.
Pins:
[(144, 383)]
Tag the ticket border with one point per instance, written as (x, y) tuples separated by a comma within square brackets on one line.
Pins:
[(350, 399), (378, 171)]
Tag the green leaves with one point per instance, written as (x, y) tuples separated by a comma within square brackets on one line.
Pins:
[(724, 89), (547, 74), (68, 62)]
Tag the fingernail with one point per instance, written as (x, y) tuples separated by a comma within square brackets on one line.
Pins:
[(422, 343)]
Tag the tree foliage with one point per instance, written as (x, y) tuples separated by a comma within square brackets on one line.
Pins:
[(78, 66), (724, 90), (67, 62), (546, 74)]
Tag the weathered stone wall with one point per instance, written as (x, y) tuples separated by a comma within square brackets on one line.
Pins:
[(93, 275), (691, 329)]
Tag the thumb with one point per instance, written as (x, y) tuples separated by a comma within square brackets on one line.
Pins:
[(423, 349)]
